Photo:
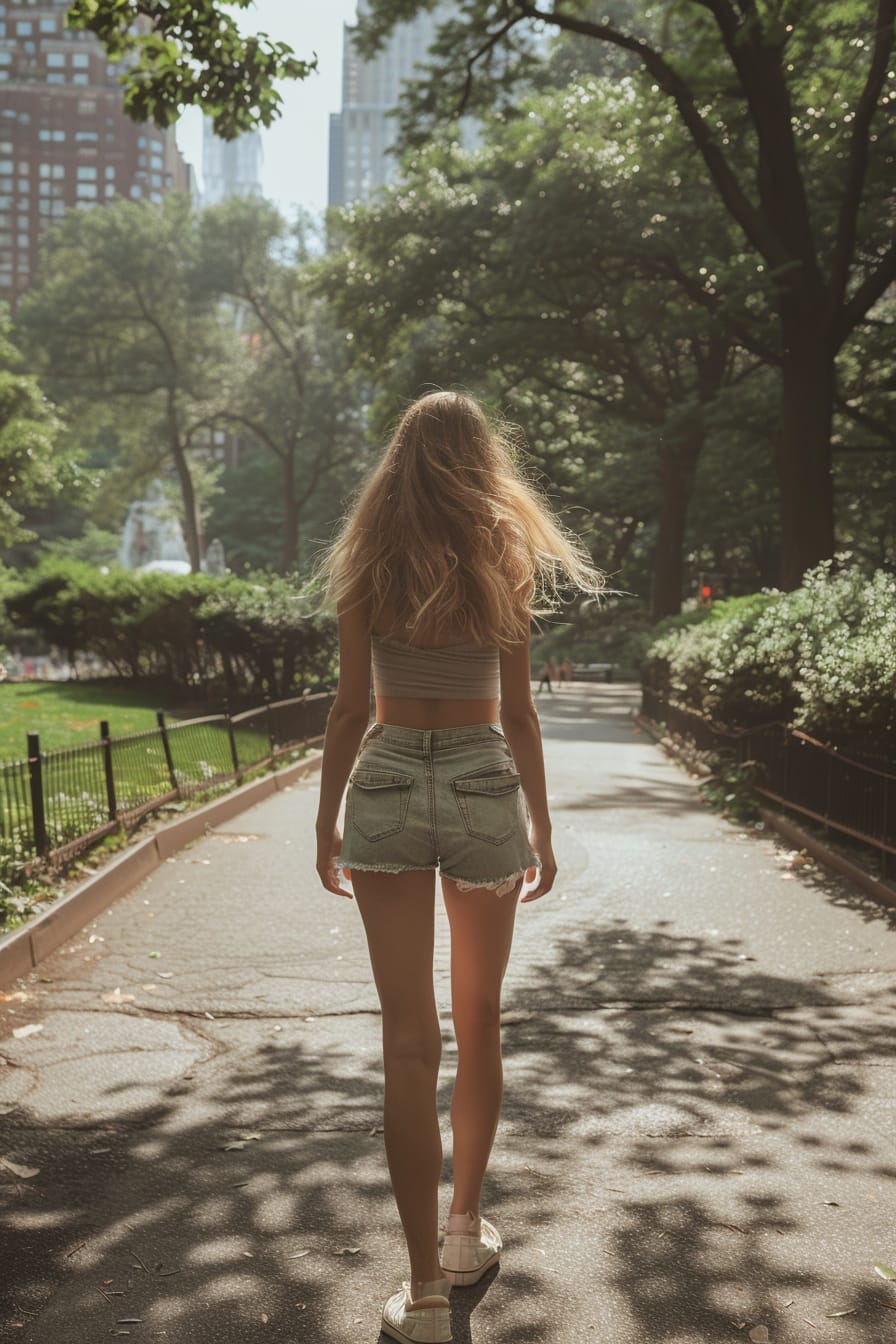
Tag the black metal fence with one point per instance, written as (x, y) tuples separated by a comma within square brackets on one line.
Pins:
[(795, 770), (56, 803)]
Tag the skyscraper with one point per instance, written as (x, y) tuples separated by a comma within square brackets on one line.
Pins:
[(362, 133), (230, 167), (64, 138)]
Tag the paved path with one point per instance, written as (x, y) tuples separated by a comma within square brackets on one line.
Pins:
[(699, 1126)]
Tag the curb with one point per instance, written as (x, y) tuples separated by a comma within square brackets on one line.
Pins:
[(22, 950), (788, 830)]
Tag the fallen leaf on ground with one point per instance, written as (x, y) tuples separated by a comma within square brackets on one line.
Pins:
[(18, 996), (264, 1318), (165, 975), (759, 1334), (885, 1272), (117, 997), (31, 1029), (347, 1250), (250, 1138), (154, 955), (298, 1255), (850, 1312), (235, 1146), (23, 1173)]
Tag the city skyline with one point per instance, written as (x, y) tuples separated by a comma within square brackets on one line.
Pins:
[(296, 147)]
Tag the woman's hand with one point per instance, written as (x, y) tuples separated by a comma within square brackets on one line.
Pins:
[(544, 849), (328, 847)]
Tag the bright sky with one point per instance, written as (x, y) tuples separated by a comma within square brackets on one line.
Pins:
[(296, 146)]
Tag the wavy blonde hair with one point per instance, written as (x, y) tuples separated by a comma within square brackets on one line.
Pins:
[(447, 533)]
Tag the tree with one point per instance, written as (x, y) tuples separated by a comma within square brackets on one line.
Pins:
[(537, 260), (178, 53), (36, 463), (295, 396), (122, 327), (786, 103)]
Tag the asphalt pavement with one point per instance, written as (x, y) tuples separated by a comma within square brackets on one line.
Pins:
[(700, 1114)]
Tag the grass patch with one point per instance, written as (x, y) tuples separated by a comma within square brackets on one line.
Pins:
[(68, 713)]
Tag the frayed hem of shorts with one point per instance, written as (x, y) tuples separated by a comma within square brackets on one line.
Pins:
[(499, 885), (386, 867)]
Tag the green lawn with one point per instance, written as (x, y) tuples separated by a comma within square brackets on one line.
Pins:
[(66, 713)]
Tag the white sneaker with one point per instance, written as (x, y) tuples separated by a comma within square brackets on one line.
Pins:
[(471, 1246), (425, 1321)]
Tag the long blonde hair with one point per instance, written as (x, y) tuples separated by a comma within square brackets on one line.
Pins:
[(447, 532)]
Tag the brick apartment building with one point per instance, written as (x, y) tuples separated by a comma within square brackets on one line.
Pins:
[(64, 139)]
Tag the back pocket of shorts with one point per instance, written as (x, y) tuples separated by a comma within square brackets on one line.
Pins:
[(489, 805), (379, 802)]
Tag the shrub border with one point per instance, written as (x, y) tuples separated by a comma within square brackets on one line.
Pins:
[(26, 947)]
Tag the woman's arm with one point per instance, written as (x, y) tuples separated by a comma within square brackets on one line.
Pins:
[(346, 725), (519, 719)]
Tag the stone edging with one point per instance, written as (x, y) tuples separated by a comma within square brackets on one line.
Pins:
[(23, 949), (794, 834)]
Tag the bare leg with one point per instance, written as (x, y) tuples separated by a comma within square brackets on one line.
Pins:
[(481, 935), (398, 912)]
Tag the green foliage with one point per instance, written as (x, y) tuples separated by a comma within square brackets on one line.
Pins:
[(177, 53), (258, 636), (820, 657), (35, 466)]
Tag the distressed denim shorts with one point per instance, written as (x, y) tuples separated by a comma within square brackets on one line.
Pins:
[(438, 797)]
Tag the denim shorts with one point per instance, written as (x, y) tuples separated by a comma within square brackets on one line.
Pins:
[(438, 797)]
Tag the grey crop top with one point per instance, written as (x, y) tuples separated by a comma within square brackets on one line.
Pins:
[(450, 672)]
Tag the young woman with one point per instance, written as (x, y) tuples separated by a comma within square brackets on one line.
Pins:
[(436, 573)]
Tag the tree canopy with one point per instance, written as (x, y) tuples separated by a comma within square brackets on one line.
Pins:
[(180, 53), (788, 108)]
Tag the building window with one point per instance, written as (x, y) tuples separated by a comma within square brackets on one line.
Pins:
[(5, 58), (24, 28), (86, 191), (5, 166), (141, 141), (23, 240), (86, 172), (55, 59), (110, 189), (55, 78), (80, 79), (110, 169), (80, 60), (48, 25), (136, 192), (86, 107), (86, 137)]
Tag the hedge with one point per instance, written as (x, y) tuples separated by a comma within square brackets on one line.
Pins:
[(258, 635), (822, 658)]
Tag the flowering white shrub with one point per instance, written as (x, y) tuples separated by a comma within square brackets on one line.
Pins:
[(822, 657)]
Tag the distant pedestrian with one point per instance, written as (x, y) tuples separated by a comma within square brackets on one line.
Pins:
[(566, 671), (545, 676)]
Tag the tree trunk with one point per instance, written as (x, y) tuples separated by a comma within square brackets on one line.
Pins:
[(291, 513), (803, 447), (676, 483), (187, 490)]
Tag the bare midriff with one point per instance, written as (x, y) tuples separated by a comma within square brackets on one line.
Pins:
[(408, 713)]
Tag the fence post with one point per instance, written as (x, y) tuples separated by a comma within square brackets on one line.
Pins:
[(232, 738), (111, 801), (36, 780), (166, 747), (269, 714)]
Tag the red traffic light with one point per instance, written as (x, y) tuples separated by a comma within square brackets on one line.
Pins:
[(706, 591)]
